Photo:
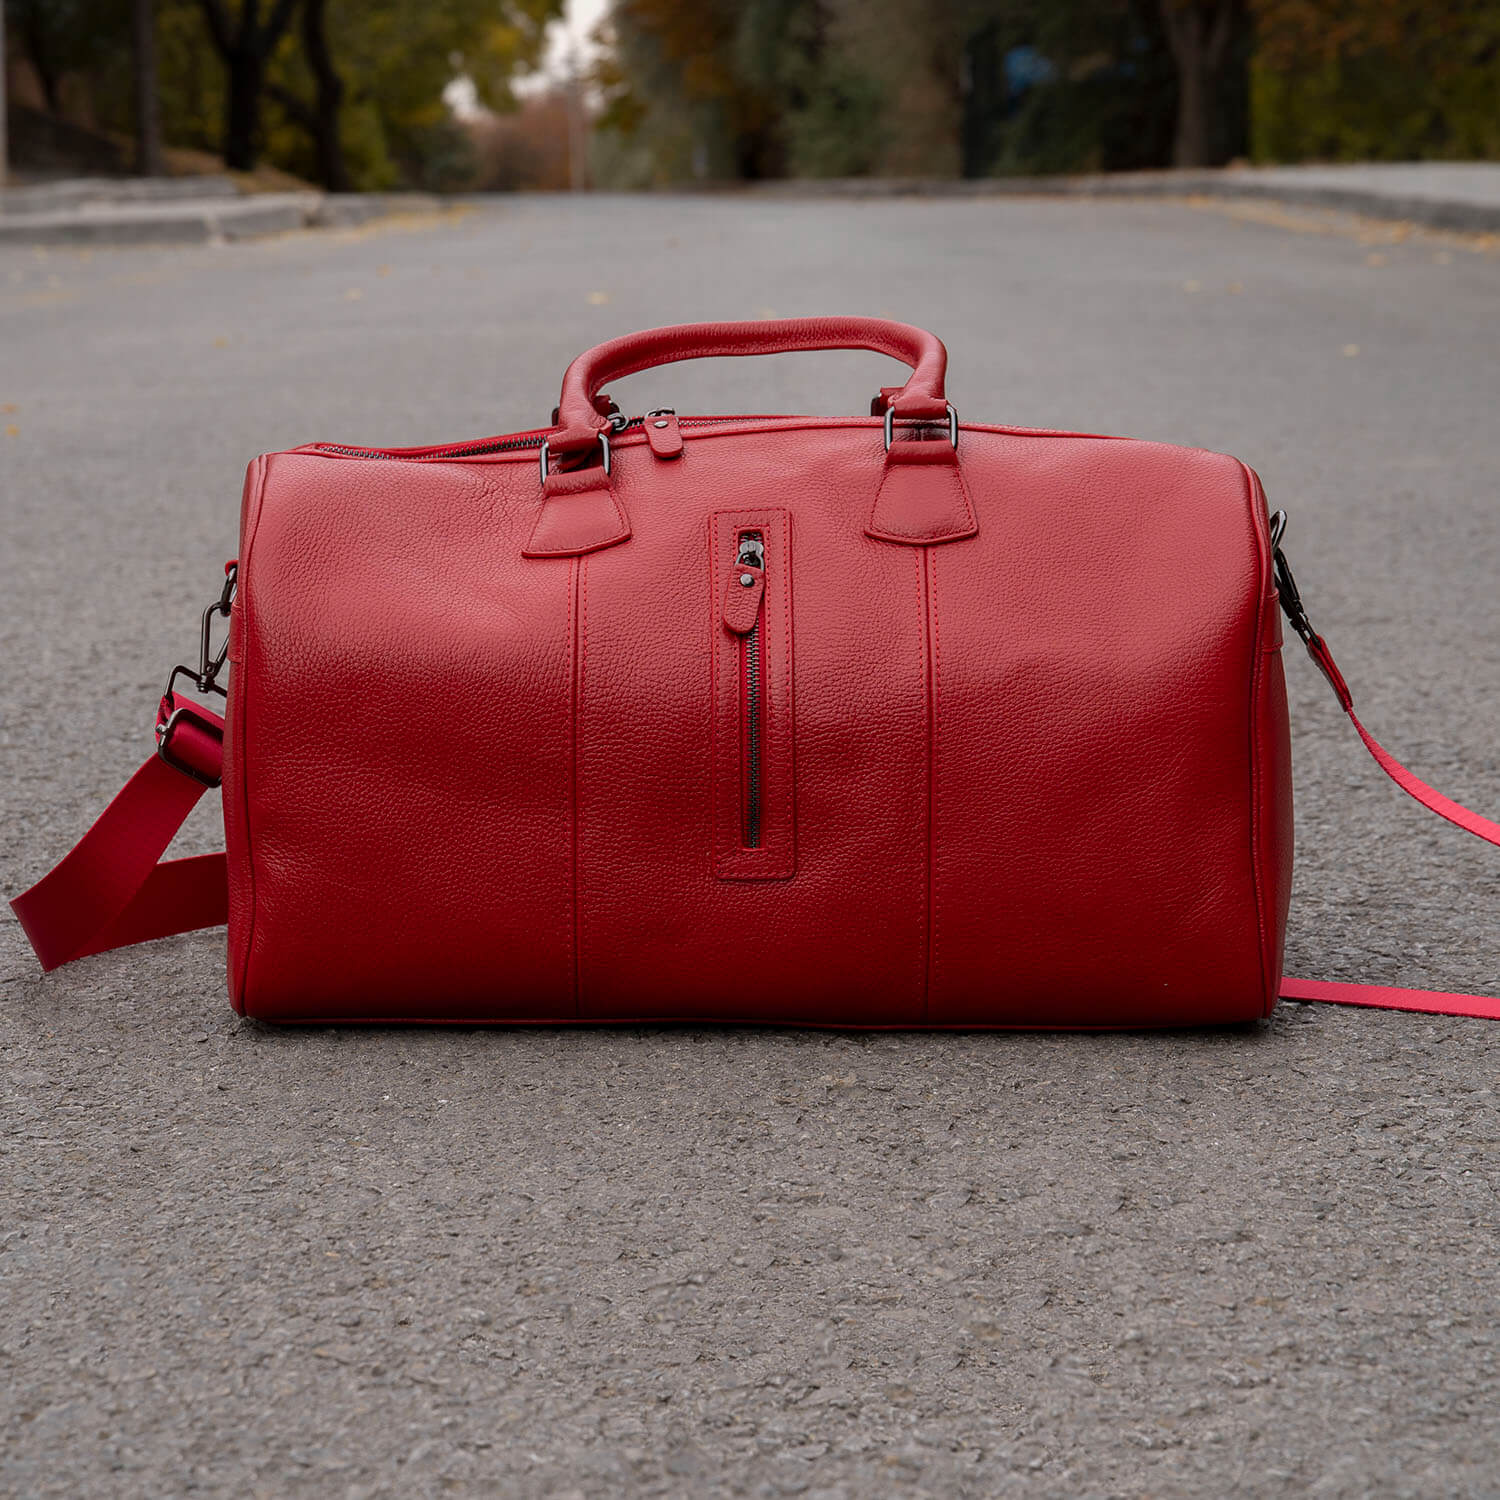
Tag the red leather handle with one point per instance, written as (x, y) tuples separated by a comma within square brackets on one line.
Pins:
[(921, 396)]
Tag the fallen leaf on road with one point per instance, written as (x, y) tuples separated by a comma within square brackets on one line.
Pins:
[(1375, 260), (12, 430), (9, 406), (1192, 286), (1350, 350), (221, 342), (382, 270), (353, 294), (598, 299)]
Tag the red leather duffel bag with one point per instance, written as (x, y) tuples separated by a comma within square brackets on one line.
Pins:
[(886, 721)]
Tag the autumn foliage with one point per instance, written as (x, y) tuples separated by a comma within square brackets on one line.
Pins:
[(749, 88)]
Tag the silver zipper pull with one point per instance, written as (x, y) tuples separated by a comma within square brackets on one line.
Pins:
[(745, 584)]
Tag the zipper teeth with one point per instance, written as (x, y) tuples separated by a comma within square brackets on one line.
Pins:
[(470, 450), (751, 548), (752, 735), (478, 450)]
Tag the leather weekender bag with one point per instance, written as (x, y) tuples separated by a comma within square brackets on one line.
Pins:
[(877, 721)]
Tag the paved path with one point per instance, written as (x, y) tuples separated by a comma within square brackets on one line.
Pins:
[(1455, 195), (681, 1261)]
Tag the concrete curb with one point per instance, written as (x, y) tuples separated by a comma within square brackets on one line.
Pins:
[(1328, 188), (80, 192), (79, 215), (350, 210)]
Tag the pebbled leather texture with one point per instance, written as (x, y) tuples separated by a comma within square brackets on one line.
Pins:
[(581, 514), (922, 500), (1034, 776)]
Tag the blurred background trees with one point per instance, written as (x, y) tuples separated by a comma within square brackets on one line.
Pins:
[(1373, 80), (446, 94), (348, 93), (809, 88)]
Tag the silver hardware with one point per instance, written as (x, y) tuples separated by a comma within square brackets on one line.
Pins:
[(603, 447), (210, 662), (747, 580), (752, 551), (1286, 585), (661, 423), (890, 425), (164, 730)]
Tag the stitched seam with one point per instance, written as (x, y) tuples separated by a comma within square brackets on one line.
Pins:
[(924, 943), (242, 715), (936, 674), (1257, 792), (788, 863), (576, 650), (935, 680), (963, 490), (714, 647)]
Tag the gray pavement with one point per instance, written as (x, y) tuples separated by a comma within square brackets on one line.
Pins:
[(1458, 195), (695, 1262)]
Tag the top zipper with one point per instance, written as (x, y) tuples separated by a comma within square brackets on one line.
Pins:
[(467, 450), (504, 445)]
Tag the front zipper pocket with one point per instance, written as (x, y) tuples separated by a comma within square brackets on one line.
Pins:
[(753, 790)]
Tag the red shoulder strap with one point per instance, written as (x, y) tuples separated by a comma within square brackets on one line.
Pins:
[(112, 890)]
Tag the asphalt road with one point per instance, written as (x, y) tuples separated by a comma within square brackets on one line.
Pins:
[(683, 1261)]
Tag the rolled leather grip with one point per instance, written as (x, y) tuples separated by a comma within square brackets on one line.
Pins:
[(922, 395)]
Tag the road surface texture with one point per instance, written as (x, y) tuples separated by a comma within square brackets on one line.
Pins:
[(690, 1261)]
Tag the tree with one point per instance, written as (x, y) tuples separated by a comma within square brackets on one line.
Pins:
[(67, 37), (1376, 79), (321, 118), (378, 68), (1201, 34), (678, 89), (148, 156), (848, 87), (245, 48)]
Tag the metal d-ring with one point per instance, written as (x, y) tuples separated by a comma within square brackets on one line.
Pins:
[(890, 425), (603, 448)]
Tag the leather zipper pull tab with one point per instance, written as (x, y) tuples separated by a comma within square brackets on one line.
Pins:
[(663, 433), (746, 585), (742, 596)]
